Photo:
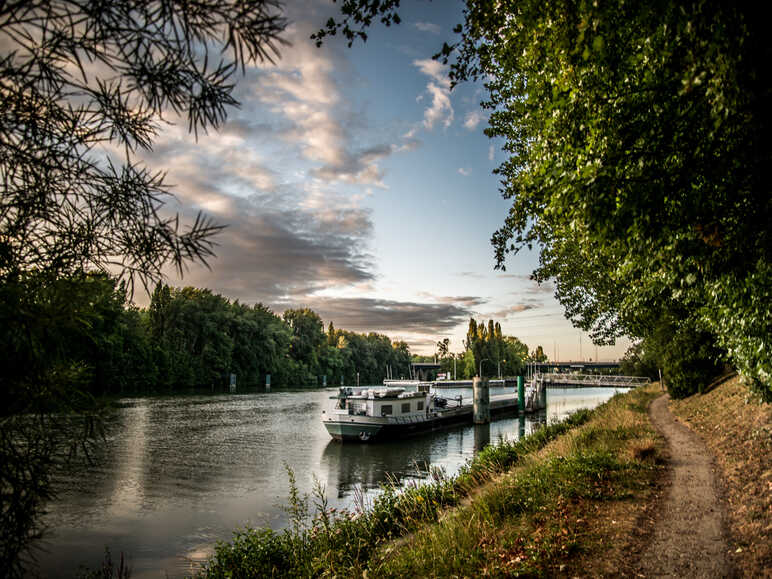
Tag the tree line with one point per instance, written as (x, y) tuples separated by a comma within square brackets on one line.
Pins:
[(187, 338), (193, 339)]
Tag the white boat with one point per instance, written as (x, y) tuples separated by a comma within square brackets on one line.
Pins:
[(365, 414)]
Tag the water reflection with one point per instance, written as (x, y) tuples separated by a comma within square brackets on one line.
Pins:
[(482, 436), (128, 493), (177, 474), (350, 466)]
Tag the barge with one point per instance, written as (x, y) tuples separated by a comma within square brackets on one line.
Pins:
[(369, 414)]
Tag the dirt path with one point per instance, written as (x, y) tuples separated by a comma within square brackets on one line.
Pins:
[(689, 538)]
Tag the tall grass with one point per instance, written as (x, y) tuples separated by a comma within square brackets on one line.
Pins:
[(345, 543), (532, 520)]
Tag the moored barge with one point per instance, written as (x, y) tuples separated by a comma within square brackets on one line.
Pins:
[(369, 414)]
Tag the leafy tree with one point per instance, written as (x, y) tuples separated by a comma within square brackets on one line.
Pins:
[(516, 354), (307, 337), (83, 87), (488, 343), (538, 355), (639, 140), (639, 361), (442, 348)]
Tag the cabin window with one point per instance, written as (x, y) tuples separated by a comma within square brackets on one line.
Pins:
[(405, 407), (420, 405), (386, 409)]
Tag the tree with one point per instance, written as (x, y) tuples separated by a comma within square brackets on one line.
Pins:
[(538, 355), (639, 137), (83, 87), (307, 337), (442, 348)]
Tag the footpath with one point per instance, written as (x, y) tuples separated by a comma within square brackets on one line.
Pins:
[(690, 538)]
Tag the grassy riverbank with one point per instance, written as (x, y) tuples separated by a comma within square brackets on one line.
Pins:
[(551, 502), (737, 428)]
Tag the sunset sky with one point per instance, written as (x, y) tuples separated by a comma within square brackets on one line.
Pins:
[(354, 182)]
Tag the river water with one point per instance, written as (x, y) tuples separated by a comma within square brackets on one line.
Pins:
[(177, 474)]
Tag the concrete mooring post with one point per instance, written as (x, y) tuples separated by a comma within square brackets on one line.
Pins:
[(482, 401), (520, 394)]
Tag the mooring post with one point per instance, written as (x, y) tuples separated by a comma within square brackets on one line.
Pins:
[(482, 401), (520, 394)]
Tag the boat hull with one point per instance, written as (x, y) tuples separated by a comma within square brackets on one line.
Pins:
[(371, 429)]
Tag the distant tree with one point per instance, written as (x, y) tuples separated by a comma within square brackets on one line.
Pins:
[(471, 334), (637, 361), (442, 348), (538, 355), (307, 337), (515, 353)]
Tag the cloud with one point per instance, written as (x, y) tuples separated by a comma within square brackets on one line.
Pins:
[(358, 168), (280, 246), (541, 288), (372, 314), (440, 110), (466, 301), (303, 95), (473, 119), (491, 153), (429, 27), (516, 309), (464, 171)]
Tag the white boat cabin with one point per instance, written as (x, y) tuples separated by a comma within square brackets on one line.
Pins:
[(383, 402)]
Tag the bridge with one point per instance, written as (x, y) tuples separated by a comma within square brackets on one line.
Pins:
[(571, 365), (423, 371), (589, 380)]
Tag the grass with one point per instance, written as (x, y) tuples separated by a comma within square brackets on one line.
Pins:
[(737, 427), (536, 506), (552, 514)]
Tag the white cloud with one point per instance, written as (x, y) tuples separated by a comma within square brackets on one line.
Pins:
[(465, 172), (473, 119), (429, 27), (440, 110), (491, 152), (302, 89)]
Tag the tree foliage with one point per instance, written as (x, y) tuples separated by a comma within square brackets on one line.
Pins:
[(488, 343), (85, 88), (639, 139)]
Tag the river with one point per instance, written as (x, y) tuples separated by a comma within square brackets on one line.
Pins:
[(177, 474)]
